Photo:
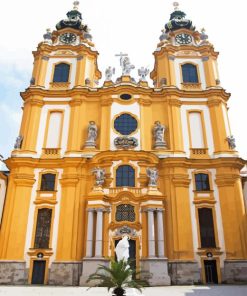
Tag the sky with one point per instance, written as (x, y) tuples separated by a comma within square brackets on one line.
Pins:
[(130, 26)]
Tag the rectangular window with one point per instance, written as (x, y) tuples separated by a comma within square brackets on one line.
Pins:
[(202, 182), (196, 130), (48, 182), (54, 130), (206, 224), (43, 227)]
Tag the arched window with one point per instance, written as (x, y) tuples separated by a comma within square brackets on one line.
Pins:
[(202, 182), (189, 72), (125, 124), (206, 224), (125, 212), (61, 73), (48, 182), (43, 227), (125, 176)]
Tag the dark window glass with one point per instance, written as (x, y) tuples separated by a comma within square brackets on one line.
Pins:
[(42, 234), (48, 182), (125, 124), (125, 176), (125, 97), (61, 73), (202, 182), (189, 73), (206, 228), (125, 212)]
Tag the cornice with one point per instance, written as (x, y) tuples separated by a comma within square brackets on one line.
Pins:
[(46, 49), (159, 93), (204, 50), (131, 155)]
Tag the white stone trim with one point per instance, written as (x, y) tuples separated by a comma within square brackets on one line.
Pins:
[(42, 127), (208, 127)]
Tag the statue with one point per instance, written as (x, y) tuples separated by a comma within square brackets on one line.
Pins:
[(18, 142), (92, 134), (143, 72), (122, 249), (109, 72), (125, 63), (99, 176), (158, 134), (48, 37), (153, 176), (127, 66), (231, 142)]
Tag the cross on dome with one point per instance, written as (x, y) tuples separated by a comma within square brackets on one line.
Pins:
[(76, 4), (176, 5)]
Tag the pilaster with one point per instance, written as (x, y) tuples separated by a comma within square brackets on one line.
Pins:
[(66, 233)]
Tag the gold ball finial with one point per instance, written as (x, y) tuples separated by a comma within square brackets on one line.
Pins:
[(76, 4), (176, 5)]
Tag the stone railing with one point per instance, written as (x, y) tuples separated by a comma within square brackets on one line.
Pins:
[(191, 86), (59, 85), (198, 152), (116, 190), (51, 152)]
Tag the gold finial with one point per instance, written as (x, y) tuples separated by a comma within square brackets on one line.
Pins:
[(76, 4), (176, 5)]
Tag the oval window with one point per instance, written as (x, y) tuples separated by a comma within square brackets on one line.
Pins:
[(125, 97)]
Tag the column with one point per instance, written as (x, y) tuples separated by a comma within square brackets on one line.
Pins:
[(151, 238), (99, 234), (161, 252), (89, 247)]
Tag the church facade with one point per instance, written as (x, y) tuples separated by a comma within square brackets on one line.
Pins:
[(92, 164)]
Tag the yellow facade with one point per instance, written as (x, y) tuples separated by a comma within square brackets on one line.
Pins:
[(165, 230)]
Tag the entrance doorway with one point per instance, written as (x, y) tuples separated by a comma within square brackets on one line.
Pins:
[(211, 271), (38, 275), (132, 252)]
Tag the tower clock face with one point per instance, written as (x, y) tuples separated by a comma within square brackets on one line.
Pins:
[(67, 38), (183, 38)]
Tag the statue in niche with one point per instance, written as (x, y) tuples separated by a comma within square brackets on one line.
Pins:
[(158, 134), (143, 72), (92, 134), (99, 176), (122, 249), (231, 142), (153, 176), (18, 142), (109, 72)]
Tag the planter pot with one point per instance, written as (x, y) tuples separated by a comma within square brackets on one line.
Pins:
[(118, 292)]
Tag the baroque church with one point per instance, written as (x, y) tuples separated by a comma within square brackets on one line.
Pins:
[(94, 163)]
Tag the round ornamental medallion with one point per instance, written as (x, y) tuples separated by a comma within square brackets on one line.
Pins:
[(125, 124)]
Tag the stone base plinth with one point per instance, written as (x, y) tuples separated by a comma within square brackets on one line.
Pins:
[(158, 271), (160, 145), (13, 273), (90, 145), (89, 266), (234, 272), (184, 272), (65, 273), (108, 83), (143, 83)]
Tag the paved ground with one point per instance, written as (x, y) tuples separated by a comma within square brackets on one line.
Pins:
[(220, 290)]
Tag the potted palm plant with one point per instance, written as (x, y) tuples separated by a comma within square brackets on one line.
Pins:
[(118, 276)]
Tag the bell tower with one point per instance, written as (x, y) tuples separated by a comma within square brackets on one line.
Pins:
[(69, 49), (181, 43)]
